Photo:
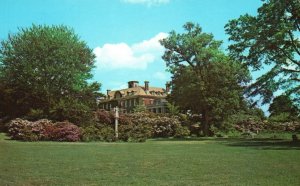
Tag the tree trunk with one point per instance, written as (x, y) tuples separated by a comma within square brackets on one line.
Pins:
[(205, 121)]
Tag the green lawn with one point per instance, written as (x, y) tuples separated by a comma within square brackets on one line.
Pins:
[(156, 162)]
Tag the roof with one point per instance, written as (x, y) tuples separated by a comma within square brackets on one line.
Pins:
[(138, 91)]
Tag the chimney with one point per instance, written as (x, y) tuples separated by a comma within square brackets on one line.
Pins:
[(132, 84), (107, 92), (146, 85), (168, 85)]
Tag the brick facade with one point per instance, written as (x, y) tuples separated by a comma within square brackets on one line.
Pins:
[(153, 98)]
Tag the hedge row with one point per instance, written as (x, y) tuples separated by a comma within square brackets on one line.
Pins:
[(257, 126), (132, 127)]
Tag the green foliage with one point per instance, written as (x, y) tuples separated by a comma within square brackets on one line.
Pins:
[(181, 131), (140, 108), (243, 122), (269, 39), (107, 134), (205, 81), (173, 109), (72, 110), (134, 133), (283, 109), (35, 114), (155, 125), (98, 133), (129, 129), (280, 117), (90, 133), (45, 68)]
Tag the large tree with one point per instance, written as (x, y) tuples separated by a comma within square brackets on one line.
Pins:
[(283, 106), (270, 42), (205, 80), (45, 68)]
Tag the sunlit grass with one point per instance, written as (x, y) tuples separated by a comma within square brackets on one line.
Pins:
[(156, 162)]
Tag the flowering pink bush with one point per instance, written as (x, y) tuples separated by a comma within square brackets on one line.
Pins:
[(64, 131), (25, 130), (43, 130), (160, 125), (104, 117)]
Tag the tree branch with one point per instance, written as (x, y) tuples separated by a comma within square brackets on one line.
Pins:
[(293, 42), (295, 79), (291, 59), (290, 70)]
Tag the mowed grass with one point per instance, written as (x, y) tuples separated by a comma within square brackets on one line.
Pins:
[(155, 162)]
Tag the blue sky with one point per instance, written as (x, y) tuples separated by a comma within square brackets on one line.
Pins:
[(124, 34)]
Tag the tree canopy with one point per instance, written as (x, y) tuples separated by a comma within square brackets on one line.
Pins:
[(270, 41), (43, 67), (205, 81), (283, 106)]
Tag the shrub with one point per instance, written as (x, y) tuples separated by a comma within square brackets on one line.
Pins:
[(133, 130), (43, 130), (20, 129), (181, 131), (107, 134), (284, 126), (35, 114), (65, 131), (166, 126), (72, 110), (91, 133), (154, 125), (104, 117), (100, 132)]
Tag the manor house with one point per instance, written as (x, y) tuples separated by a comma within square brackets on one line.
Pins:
[(153, 98)]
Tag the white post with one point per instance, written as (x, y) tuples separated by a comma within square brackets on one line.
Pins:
[(116, 121)]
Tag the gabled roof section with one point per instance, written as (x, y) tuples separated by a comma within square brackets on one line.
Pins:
[(137, 91)]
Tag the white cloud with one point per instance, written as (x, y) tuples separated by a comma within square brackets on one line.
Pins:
[(136, 56), (149, 3)]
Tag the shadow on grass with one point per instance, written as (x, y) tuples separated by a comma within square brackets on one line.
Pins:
[(257, 143), (266, 144)]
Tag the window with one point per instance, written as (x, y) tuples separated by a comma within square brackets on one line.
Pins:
[(151, 101)]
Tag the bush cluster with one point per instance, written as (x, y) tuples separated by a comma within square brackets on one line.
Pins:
[(98, 133), (250, 125), (292, 126), (43, 129), (258, 126), (160, 125), (135, 127), (103, 129)]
